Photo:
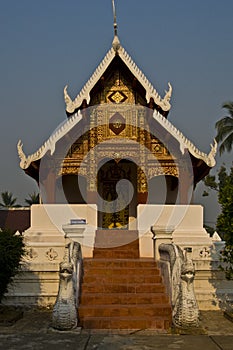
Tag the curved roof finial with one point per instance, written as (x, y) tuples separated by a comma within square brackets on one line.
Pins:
[(116, 42), (114, 17)]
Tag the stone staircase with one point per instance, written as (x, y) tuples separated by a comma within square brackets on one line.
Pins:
[(120, 290)]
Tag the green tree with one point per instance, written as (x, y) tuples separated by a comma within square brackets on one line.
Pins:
[(34, 198), (11, 252), (8, 200), (224, 186), (225, 129)]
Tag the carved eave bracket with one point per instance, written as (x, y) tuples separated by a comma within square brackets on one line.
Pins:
[(212, 154)]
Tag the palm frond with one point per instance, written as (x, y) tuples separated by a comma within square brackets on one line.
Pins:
[(7, 199), (34, 198), (224, 128), (227, 144), (229, 106), (224, 121), (224, 132)]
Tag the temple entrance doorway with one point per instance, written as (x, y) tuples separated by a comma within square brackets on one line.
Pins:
[(117, 189)]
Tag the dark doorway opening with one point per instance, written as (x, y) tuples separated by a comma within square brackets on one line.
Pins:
[(118, 199)]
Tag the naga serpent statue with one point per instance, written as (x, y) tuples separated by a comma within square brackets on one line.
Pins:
[(185, 312), (65, 311)]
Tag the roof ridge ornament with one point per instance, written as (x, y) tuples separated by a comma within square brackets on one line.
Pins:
[(116, 42)]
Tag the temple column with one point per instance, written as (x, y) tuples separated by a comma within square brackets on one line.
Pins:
[(185, 179), (47, 181), (184, 187), (50, 188), (142, 185)]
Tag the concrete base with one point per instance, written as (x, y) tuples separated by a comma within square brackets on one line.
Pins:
[(50, 230)]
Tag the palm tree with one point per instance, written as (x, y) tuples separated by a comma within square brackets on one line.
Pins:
[(34, 198), (225, 129), (7, 200)]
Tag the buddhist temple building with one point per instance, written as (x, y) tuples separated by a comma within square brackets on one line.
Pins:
[(118, 178), (117, 128)]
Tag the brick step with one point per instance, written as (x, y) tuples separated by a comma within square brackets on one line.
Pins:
[(121, 244), (143, 310), (99, 253), (118, 242), (119, 289), (127, 263), (122, 288), (115, 278), (123, 298), (116, 238), (149, 271), (134, 323), (130, 246)]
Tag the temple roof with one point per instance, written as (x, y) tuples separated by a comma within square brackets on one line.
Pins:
[(74, 108), (117, 49), (60, 132)]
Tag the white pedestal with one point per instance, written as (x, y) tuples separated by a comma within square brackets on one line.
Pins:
[(161, 234)]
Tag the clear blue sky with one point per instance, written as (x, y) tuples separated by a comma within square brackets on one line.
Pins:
[(47, 44)]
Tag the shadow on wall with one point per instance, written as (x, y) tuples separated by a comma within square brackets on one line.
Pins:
[(15, 219), (28, 287), (25, 290), (37, 282), (163, 190), (223, 287)]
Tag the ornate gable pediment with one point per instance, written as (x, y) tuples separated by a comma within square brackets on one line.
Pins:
[(116, 86), (86, 92)]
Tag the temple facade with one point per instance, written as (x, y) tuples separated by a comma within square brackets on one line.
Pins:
[(116, 173), (117, 129)]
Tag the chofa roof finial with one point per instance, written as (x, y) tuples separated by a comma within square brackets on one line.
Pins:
[(116, 42)]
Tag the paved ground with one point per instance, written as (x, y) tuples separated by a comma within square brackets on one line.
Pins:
[(33, 332)]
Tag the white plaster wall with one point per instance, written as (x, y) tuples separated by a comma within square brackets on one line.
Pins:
[(37, 283), (54, 216), (179, 216), (186, 220)]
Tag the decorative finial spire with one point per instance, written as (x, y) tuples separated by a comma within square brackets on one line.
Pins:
[(114, 17), (116, 42)]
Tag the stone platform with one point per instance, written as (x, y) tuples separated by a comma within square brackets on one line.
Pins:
[(33, 331)]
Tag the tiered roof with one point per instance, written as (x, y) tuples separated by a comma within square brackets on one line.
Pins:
[(151, 93)]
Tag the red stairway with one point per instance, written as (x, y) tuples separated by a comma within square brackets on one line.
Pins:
[(121, 290)]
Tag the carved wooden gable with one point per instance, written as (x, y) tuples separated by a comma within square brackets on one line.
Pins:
[(118, 86), (110, 118)]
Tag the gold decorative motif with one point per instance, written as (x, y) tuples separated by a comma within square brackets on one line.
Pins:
[(73, 170), (142, 181), (111, 153), (157, 149), (117, 123), (162, 170), (117, 97)]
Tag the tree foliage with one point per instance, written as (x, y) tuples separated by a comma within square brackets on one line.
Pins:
[(225, 129), (224, 186), (34, 198), (8, 201), (225, 199), (11, 251)]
